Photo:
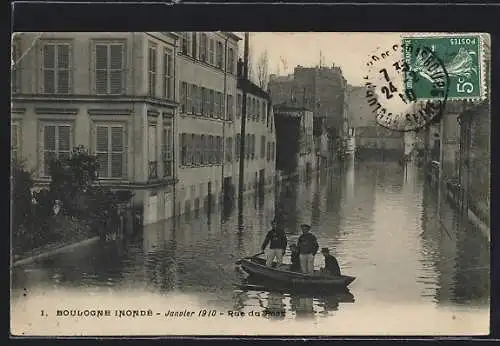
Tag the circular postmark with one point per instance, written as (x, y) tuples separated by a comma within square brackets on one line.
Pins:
[(406, 85)]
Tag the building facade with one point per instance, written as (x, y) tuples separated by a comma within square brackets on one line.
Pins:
[(369, 138), (295, 141), (158, 109), (91, 89), (260, 137), (207, 105), (321, 90)]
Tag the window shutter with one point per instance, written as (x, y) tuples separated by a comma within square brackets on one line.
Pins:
[(63, 69), (64, 141), (102, 150), (101, 68), (117, 76), (117, 151)]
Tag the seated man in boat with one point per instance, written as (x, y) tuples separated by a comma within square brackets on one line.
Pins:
[(308, 247), (276, 239), (295, 258), (331, 264)]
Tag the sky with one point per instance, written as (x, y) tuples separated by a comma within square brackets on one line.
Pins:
[(347, 50)]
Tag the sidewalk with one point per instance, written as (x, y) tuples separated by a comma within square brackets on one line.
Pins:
[(50, 250)]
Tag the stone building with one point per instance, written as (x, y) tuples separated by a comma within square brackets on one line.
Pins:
[(114, 93), (207, 80), (260, 137), (369, 138), (294, 141), (318, 89)]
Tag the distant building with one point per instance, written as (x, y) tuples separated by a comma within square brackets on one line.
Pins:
[(114, 93), (367, 136), (295, 143), (318, 89), (260, 136), (207, 106)]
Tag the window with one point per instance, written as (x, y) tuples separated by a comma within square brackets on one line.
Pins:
[(204, 101), (16, 68), (230, 60), (167, 151), (189, 98), (217, 104), (253, 147), (263, 112), (248, 145), (219, 52), (262, 146), (57, 142), (230, 107), (183, 149), (194, 45), (229, 149), (257, 110), (211, 100), (109, 68), (183, 97), (211, 49), (273, 154), (238, 105), (203, 47), (194, 99), (110, 150), (237, 144), (152, 71), (15, 148), (168, 78), (199, 147), (57, 68), (268, 151), (203, 150), (210, 149), (192, 149), (152, 158), (219, 150)]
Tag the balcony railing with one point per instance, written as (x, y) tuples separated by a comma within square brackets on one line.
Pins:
[(153, 170)]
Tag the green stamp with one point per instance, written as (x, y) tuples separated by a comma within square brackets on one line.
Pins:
[(438, 62)]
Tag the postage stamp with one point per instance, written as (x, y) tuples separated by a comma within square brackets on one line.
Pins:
[(461, 56), (409, 83)]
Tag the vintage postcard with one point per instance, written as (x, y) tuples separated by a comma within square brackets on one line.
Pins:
[(262, 183)]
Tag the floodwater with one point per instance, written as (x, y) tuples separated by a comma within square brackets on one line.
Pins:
[(418, 270)]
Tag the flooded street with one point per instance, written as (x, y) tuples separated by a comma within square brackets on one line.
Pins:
[(385, 225)]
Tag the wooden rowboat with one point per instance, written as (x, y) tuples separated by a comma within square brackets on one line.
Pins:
[(256, 268)]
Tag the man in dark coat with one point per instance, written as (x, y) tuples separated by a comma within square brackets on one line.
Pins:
[(308, 247), (276, 239), (295, 258), (331, 265)]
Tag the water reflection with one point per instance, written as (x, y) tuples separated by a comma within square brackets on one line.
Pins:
[(384, 225)]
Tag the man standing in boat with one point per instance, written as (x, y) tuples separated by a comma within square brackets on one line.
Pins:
[(308, 247), (276, 239)]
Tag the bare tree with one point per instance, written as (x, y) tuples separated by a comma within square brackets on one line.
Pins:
[(263, 69)]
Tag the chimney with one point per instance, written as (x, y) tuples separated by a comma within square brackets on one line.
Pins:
[(240, 68)]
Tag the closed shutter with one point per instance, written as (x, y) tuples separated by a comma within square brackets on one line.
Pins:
[(101, 69), (117, 54), (63, 69), (49, 68), (117, 151), (102, 145)]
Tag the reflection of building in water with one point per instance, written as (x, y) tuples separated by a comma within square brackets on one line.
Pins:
[(302, 306), (160, 261), (275, 308)]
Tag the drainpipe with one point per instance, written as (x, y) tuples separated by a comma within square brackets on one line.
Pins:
[(241, 180), (175, 136), (224, 126)]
